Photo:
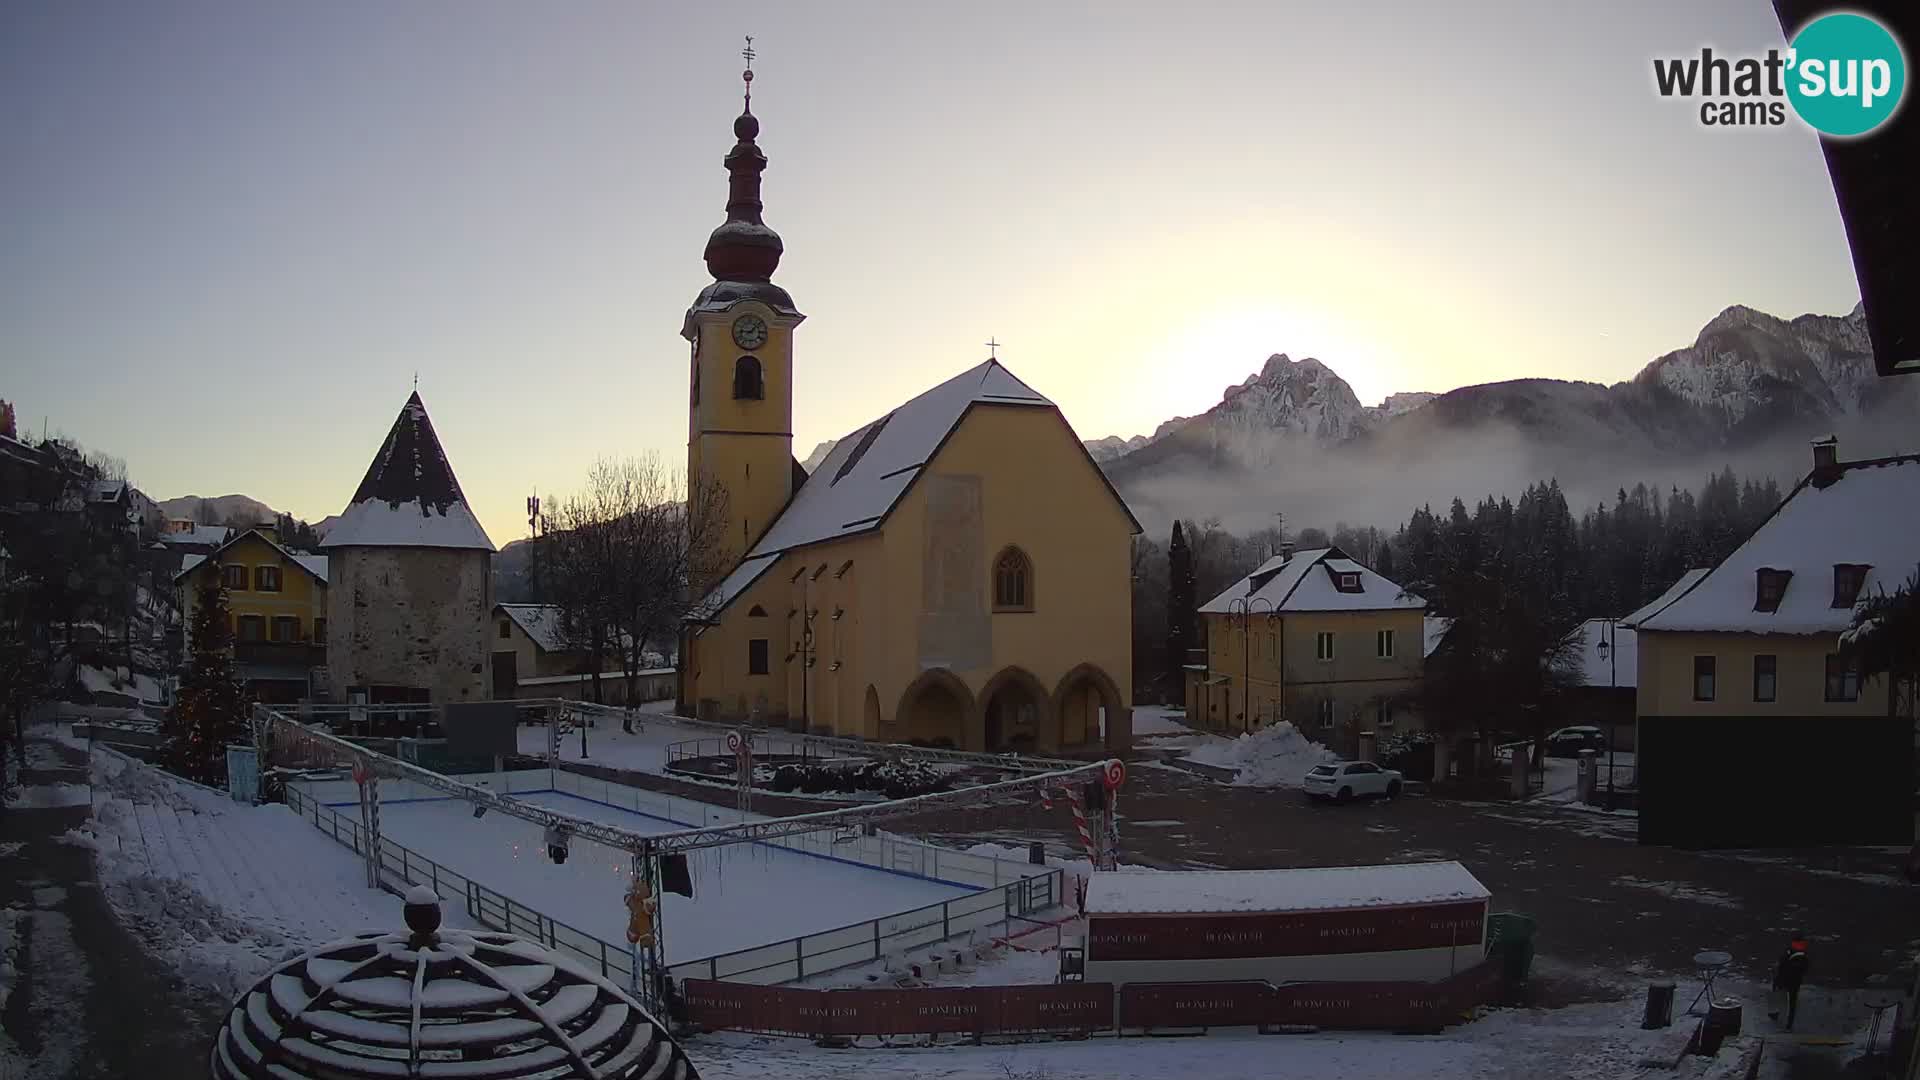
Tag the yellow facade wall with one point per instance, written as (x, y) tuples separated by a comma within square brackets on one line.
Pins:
[(1666, 676), (1275, 664), (300, 596), (745, 445), (1039, 492)]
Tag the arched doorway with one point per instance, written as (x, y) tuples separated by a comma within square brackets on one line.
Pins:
[(870, 714), (1014, 704), (1082, 699), (933, 711)]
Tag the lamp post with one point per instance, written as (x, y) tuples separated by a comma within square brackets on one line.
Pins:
[(1610, 652), (1245, 607)]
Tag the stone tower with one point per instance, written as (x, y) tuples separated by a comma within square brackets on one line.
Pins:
[(410, 576), (740, 428)]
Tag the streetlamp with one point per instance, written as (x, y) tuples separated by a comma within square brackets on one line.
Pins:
[(1245, 607), (1611, 654)]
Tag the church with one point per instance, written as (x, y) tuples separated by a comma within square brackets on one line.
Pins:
[(955, 573)]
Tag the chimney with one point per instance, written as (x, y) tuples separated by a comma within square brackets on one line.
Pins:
[(1826, 460), (1286, 549)]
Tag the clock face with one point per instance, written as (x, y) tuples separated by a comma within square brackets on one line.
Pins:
[(749, 331)]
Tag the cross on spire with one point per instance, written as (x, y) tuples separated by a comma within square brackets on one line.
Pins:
[(993, 349), (748, 54)]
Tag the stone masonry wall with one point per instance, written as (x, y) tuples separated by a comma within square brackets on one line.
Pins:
[(410, 617)]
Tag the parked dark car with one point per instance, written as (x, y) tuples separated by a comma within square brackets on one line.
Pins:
[(1569, 741)]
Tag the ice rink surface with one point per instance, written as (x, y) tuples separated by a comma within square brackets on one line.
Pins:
[(743, 894)]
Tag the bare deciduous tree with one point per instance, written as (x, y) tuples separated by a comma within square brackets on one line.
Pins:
[(625, 555)]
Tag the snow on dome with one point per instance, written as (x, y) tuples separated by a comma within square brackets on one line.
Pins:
[(409, 497), (1324, 888), (446, 1004)]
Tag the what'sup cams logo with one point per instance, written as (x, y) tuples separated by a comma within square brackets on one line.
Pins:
[(1843, 74)]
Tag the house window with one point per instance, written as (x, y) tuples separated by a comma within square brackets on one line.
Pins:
[(1770, 586), (1349, 583), (1013, 581), (1383, 644), (506, 629), (319, 631), (284, 628), (1326, 714), (252, 628), (1703, 667), (1843, 679), (234, 577), (756, 612), (266, 579), (757, 656), (1847, 580), (748, 382), (1766, 677), (1323, 645)]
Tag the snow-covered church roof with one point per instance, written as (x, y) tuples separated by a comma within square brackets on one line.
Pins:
[(409, 497), (1309, 581), (1863, 514), (868, 471)]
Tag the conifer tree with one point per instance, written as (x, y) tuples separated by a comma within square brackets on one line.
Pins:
[(1180, 603), (210, 711)]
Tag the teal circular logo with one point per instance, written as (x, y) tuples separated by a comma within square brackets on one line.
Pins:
[(1846, 74)]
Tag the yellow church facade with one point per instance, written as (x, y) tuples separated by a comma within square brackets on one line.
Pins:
[(956, 572)]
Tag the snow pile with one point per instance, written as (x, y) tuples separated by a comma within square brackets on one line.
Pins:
[(1275, 756), (46, 796), (10, 919)]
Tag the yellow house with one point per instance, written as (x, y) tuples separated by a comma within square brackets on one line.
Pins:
[(277, 601), (1314, 638), (955, 572), (1753, 730)]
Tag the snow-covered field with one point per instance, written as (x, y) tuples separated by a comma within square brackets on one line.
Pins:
[(220, 888), (643, 751), (744, 895), (1277, 755)]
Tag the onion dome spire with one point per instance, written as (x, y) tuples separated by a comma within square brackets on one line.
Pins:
[(743, 248)]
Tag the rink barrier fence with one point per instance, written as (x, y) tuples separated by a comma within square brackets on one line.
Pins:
[(1008, 889)]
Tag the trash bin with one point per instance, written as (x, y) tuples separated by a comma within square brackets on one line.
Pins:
[(1724, 1017), (1510, 944), (1659, 1012)]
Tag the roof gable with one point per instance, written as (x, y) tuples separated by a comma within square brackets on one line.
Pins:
[(1868, 515), (409, 496), (1290, 584), (314, 565)]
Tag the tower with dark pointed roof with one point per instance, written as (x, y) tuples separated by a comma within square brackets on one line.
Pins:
[(740, 328), (410, 573)]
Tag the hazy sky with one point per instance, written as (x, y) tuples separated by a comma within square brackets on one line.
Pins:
[(234, 231)]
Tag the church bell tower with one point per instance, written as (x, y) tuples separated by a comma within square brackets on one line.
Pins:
[(740, 427)]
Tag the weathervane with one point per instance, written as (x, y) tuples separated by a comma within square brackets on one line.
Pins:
[(749, 54)]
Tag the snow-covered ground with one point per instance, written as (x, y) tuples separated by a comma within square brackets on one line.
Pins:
[(1152, 720), (103, 681), (643, 751), (1274, 756), (744, 895), (222, 889), (1582, 1042)]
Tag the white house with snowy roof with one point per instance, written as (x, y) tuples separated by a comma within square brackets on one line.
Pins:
[(1753, 728), (411, 578), (955, 572), (1316, 639)]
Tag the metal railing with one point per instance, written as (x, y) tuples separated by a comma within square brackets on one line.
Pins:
[(764, 745), (793, 958)]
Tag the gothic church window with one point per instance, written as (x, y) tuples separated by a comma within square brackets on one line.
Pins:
[(1013, 581)]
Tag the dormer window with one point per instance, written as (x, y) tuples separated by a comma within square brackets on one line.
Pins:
[(1770, 586), (1348, 583), (1848, 578)]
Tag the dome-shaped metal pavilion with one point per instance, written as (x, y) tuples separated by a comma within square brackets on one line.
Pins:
[(433, 1003)]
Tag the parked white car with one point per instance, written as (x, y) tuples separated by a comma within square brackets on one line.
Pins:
[(1345, 780)]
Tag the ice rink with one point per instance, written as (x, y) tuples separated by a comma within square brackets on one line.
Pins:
[(743, 895)]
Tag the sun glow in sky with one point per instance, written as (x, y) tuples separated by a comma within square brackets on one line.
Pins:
[(237, 231)]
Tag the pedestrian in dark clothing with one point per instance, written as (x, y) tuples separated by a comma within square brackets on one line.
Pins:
[(1788, 974)]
